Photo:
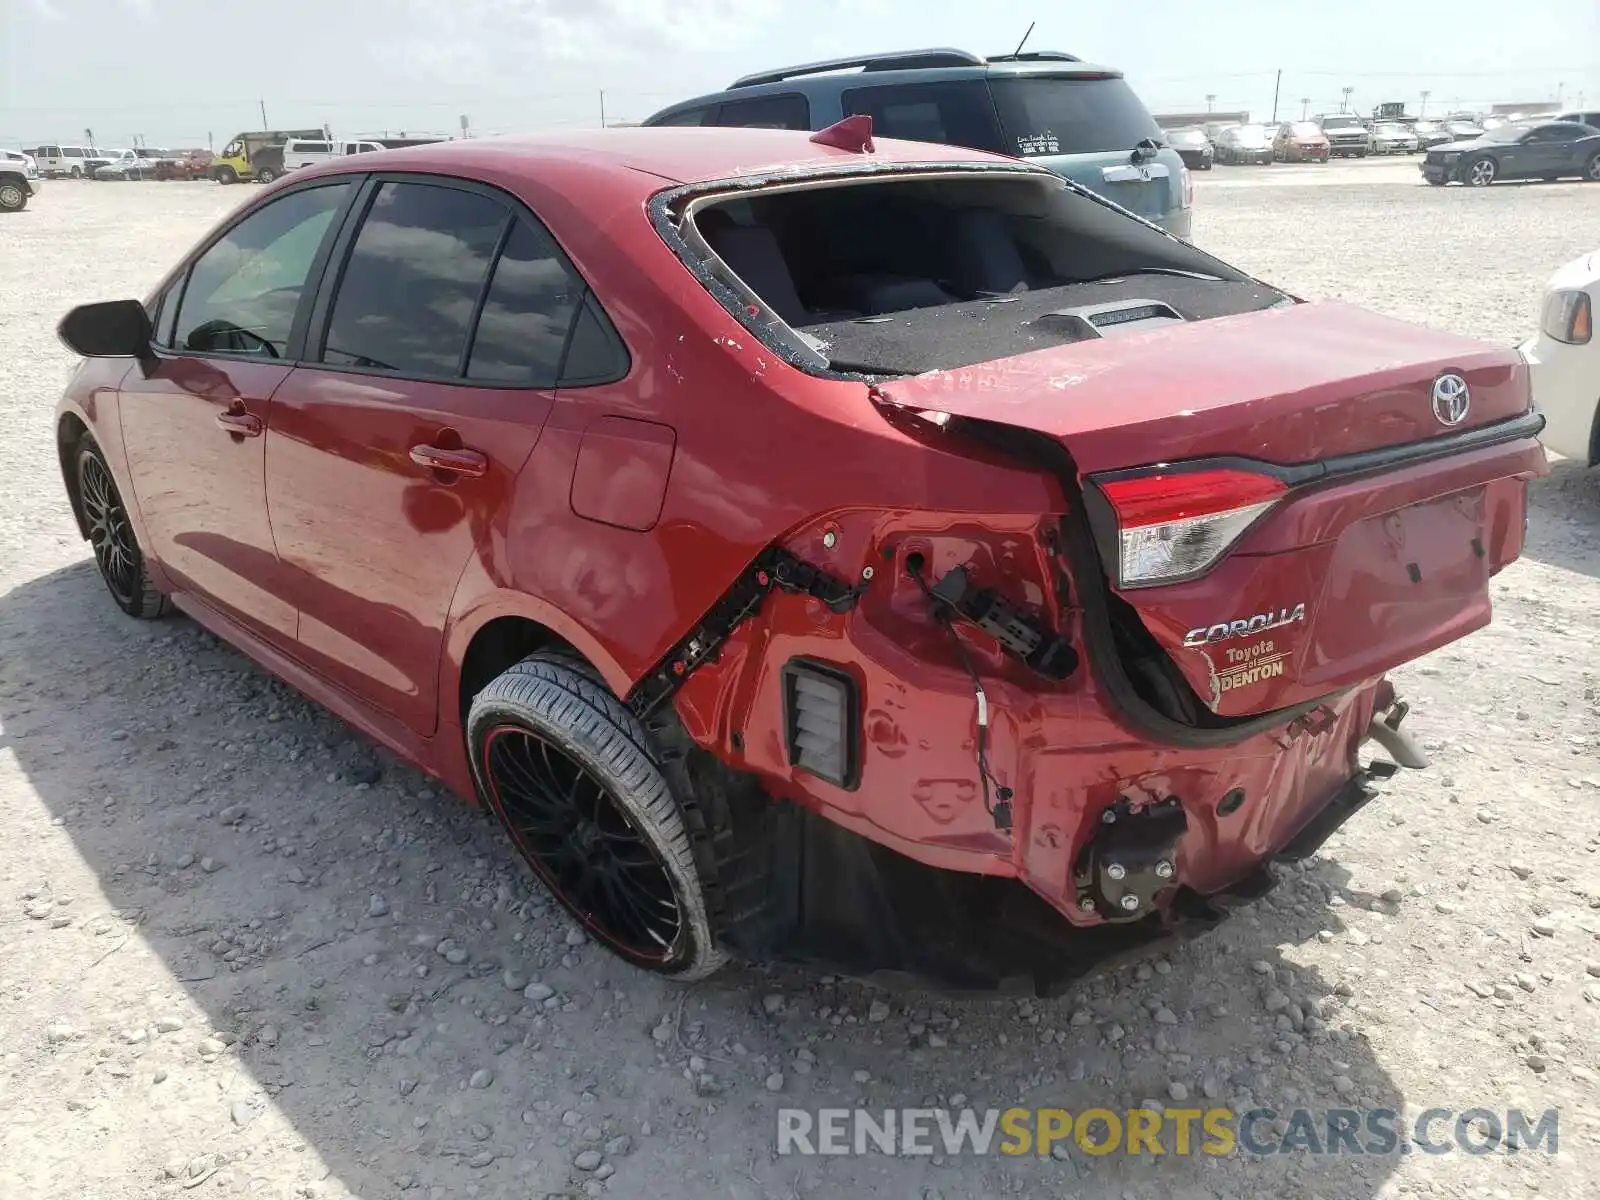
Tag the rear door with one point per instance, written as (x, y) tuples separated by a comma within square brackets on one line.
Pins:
[(392, 454)]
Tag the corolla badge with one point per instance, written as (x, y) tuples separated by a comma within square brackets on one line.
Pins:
[(1451, 399), (1255, 623)]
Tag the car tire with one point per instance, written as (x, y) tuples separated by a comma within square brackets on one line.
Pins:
[(1591, 171), (568, 771), (76, 172), (122, 564), (13, 195), (1480, 172), (266, 175), (227, 175)]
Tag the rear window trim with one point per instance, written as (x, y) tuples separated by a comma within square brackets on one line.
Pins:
[(672, 211)]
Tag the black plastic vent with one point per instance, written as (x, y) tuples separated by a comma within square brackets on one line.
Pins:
[(822, 721)]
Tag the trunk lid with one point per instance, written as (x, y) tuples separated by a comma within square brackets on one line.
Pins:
[(1284, 385), (1357, 564)]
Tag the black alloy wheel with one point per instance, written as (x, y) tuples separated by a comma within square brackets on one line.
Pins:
[(116, 548), (567, 770), (583, 844)]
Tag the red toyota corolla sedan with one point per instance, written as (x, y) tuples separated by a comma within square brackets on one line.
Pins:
[(886, 556)]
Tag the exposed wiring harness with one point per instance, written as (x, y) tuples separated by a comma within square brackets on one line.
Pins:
[(998, 802)]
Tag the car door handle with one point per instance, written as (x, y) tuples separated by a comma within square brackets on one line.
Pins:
[(457, 462), (240, 423)]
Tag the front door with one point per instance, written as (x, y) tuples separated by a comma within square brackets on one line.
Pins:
[(392, 460), (194, 422)]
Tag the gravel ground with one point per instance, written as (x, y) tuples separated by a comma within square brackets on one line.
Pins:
[(243, 952)]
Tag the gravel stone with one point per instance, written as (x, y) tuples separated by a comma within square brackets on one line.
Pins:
[(587, 1160)]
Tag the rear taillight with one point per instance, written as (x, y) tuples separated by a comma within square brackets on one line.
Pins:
[(1568, 317), (1176, 525), (1188, 188)]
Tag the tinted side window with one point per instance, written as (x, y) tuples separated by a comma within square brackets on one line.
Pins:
[(767, 112), (689, 116), (243, 292), (413, 280), (527, 314), (958, 113), (311, 148)]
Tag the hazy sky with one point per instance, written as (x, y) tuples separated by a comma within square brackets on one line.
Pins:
[(178, 70)]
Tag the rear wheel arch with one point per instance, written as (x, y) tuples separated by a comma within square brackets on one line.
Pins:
[(502, 629)]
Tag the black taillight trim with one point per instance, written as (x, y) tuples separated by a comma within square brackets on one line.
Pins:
[(835, 677)]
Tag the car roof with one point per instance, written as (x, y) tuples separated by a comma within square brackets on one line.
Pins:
[(895, 69), (646, 157)]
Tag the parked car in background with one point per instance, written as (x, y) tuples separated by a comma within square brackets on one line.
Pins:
[(185, 164), (1346, 134), (432, 443), (1301, 141), (1240, 144), (1431, 133), (256, 154), (1461, 131), (305, 152), (1390, 137), (1589, 116), (1565, 358), (19, 180), (1192, 145), (1079, 120), (1529, 150), (60, 161)]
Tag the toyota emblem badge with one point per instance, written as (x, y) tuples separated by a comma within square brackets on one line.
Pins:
[(1451, 399)]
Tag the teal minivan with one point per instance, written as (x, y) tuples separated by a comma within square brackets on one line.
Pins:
[(1080, 120)]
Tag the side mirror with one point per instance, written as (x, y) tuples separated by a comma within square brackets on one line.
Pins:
[(108, 329)]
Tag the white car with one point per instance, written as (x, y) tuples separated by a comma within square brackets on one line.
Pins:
[(300, 152), (1565, 358)]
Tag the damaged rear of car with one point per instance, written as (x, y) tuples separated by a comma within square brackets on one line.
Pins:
[(1127, 649)]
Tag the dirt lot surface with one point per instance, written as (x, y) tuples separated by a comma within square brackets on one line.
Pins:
[(242, 953)]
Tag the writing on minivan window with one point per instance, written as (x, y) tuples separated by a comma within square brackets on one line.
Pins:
[(1038, 143)]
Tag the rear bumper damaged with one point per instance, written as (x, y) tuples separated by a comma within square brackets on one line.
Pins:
[(893, 868), (862, 910)]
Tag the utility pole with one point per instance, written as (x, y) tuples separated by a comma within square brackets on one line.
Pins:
[(1211, 100), (602, 108), (1344, 105), (1425, 94), (1305, 106), (263, 105), (1276, 87)]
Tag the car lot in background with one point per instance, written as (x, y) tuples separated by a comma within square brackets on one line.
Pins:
[(1547, 150), (1565, 355), (1079, 120)]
